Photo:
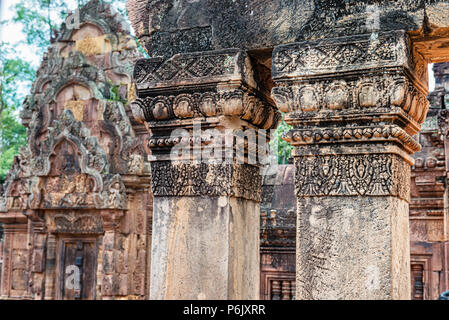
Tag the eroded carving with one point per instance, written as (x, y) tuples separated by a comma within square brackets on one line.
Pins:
[(348, 175), (187, 179)]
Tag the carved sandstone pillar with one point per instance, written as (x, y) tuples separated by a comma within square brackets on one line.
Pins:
[(206, 208), (50, 268), (111, 281), (354, 104)]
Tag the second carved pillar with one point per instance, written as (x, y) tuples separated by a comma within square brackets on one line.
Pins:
[(354, 104)]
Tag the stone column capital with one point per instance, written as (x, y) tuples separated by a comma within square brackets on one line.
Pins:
[(352, 90), (199, 92), (203, 86)]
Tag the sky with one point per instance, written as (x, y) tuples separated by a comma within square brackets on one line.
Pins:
[(12, 32)]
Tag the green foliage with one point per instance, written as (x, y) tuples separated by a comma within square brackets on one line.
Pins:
[(41, 18), (14, 73), (114, 93), (141, 48), (13, 136), (36, 24), (284, 148)]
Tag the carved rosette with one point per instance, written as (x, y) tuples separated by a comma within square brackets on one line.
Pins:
[(361, 95)]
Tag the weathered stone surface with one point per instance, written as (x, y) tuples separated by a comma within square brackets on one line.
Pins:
[(168, 27), (214, 230), (354, 242)]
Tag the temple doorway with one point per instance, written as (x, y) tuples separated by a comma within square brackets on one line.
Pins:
[(77, 268)]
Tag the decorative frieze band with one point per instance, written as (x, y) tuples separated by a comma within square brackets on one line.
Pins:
[(76, 223), (352, 134), (352, 175), (189, 69), (207, 104), (362, 93), (345, 54), (205, 179)]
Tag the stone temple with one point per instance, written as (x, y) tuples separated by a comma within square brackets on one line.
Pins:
[(95, 207)]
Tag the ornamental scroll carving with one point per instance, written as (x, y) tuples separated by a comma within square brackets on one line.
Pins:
[(190, 67), (187, 179), (352, 175), (76, 223), (352, 134), (342, 54)]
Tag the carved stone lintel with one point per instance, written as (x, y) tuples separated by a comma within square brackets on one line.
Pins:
[(75, 223)]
